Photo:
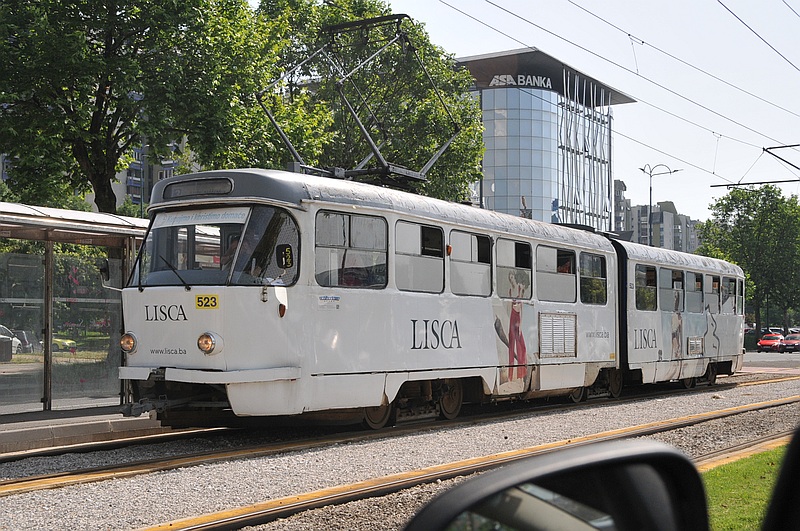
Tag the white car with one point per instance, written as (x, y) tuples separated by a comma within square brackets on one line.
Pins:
[(16, 344)]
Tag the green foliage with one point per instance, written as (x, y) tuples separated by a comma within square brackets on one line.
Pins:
[(82, 81), (738, 493), (759, 230), (132, 210), (392, 95)]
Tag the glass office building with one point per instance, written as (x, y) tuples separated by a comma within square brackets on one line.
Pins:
[(547, 132)]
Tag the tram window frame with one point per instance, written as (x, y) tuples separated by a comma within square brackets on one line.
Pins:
[(712, 293), (556, 278), (470, 263), (739, 296), (593, 278), (514, 261), (419, 257), (728, 296), (671, 288), (694, 295), (646, 287), (352, 252)]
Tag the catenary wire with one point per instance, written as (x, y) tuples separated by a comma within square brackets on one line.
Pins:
[(757, 35), (681, 61), (617, 132), (663, 87)]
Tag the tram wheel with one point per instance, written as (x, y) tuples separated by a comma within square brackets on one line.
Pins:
[(578, 394), (710, 376), (615, 383), (689, 383), (451, 400), (378, 417)]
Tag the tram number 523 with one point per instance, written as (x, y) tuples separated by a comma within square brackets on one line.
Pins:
[(206, 302)]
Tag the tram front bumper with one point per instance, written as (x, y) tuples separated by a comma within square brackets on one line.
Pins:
[(211, 377)]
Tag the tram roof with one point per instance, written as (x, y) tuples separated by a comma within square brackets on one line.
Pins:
[(659, 255), (298, 188), (27, 222)]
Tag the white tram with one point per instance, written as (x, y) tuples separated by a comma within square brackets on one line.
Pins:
[(266, 293)]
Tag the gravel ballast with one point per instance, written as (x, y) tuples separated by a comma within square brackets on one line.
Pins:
[(165, 496)]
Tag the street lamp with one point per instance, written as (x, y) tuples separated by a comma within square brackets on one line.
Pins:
[(650, 171)]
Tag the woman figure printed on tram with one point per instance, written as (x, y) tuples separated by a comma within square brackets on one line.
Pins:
[(517, 352)]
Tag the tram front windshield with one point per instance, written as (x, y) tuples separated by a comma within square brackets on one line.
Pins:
[(236, 245)]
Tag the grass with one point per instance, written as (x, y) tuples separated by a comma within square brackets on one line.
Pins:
[(738, 493)]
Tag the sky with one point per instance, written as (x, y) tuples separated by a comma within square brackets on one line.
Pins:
[(715, 81)]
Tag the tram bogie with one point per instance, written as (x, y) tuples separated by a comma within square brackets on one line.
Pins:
[(262, 293)]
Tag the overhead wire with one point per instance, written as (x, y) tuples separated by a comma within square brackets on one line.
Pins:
[(758, 35), (663, 87), (695, 124), (681, 61), (642, 101)]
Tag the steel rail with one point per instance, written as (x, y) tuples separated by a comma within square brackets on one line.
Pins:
[(57, 480), (268, 511)]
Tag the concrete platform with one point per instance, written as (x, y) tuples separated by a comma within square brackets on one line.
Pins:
[(44, 429)]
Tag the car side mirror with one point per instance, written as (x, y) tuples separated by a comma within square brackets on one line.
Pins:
[(784, 506), (622, 485)]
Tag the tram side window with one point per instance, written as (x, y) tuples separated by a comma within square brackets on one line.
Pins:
[(555, 274), (740, 297), (594, 281), (351, 250), (514, 273), (646, 289), (728, 295), (419, 257), (712, 299), (470, 264), (694, 292), (671, 290)]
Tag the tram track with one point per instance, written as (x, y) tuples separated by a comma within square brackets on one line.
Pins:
[(373, 470), (58, 480), (509, 410), (135, 468), (268, 511)]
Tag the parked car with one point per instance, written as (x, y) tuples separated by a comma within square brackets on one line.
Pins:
[(790, 343), (63, 344), (28, 341), (16, 344), (769, 342)]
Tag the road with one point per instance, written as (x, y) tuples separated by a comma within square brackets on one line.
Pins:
[(772, 360)]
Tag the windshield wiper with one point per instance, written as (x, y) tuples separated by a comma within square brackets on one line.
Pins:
[(174, 270)]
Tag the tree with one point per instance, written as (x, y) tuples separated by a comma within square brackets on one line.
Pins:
[(82, 81), (759, 230), (408, 114)]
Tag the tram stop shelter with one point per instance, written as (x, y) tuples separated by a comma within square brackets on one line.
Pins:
[(59, 322)]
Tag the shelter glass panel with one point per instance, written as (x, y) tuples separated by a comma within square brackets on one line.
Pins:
[(86, 322), (22, 318)]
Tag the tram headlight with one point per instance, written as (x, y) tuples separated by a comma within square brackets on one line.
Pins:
[(128, 343), (209, 343)]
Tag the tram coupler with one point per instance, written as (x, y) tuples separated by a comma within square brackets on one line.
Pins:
[(136, 409)]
